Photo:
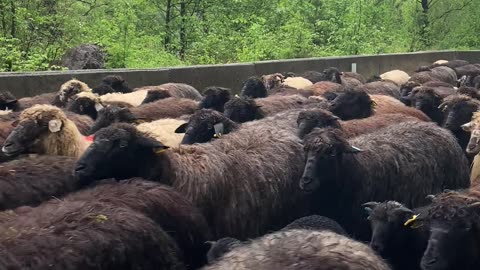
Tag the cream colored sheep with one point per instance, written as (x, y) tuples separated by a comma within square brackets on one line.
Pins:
[(45, 129), (297, 82), (134, 98), (397, 76), (440, 62), (68, 90), (163, 130)]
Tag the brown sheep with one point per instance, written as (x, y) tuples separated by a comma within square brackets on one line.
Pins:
[(45, 129), (32, 180), (288, 91), (263, 157), (164, 108), (388, 88), (271, 81), (473, 127), (88, 235), (301, 250), (441, 73), (354, 75), (322, 87), (68, 90), (177, 90), (9, 102)]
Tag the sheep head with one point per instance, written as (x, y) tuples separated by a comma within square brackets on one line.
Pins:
[(68, 90), (351, 104), (215, 98), (118, 151), (156, 94), (254, 87), (204, 125), (85, 103), (458, 110), (242, 109), (33, 124), (112, 114), (308, 120)]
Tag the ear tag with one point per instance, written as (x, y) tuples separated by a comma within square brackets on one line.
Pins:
[(54, 125), (236, 95), (410, 221), (159, 151), (374, 103), (218, 130), (98, 106)]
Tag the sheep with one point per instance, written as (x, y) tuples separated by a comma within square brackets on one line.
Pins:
[(440, 62), (32, 180), (45, 129), (441, 73), (9, 102), (452, 220), (164, 108), (215, 97), (353, 75), (314, 223), (355, 103), (301, 249), (163, 130), (401, 245), (403, 162), (313, 76), (475, 171), (453, 63), (117, 83), (428, 99), (177, 90), (89, 104), (68, 90), (467, 70), (297, 82), (134, 98), (90, 235), (243, 109), (458, 110), (284, 90), (334, 75), (310, 119), (6, 126), (254, 87), (272, 80), (473, 127), (472, 80), (176, 215), (397, 76), (204, 125), (387, 88), (263, 157), (102, 89)]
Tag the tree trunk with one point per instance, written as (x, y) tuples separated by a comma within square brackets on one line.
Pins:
[(13, 21), (183, 29), (168, 16), (424, 24)]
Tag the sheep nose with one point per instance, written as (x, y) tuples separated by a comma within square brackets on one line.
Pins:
[(377, 247), (80, 168)]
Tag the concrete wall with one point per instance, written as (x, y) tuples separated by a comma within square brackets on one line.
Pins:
[(231, 75)]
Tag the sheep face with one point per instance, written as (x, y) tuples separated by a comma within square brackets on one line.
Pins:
[(84, 106), (308, 120), (324, 149), (405, 90), (458, 112), (154, 95), (351, 104), (103, 89), (215, 98), (203, 126), (117, 83), (7, 100), (452, 245), (112, 114), (388, 230), (117, 151), (273, 80), (221, 247), (23, 137), (242, 109), (67, 91), (253, 87), (332, 74)]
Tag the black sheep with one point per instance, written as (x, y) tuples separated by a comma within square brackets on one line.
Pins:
[(428, 99), (403, 162), (116, 82), (254, 87), (215, 97)]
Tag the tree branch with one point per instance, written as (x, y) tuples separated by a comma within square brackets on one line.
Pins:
[(446, 13)]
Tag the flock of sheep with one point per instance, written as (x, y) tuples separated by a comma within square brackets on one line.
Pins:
[(319, 170)]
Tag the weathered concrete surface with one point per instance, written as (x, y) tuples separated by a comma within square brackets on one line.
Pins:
[(231, 75)]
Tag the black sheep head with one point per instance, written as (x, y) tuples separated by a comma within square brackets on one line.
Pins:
[(332, 74), (34, 124), (405, 90), (221, 247), (469, 91), (390, 235), (308, 120), (205, 125), (243, 109), (215, 97), (8, 101), (458, 110), (253, 87), (272, 81), (427, 100), (84, 106), (103, 89), (118, 151), (352, 104), (156, 94), (323, 149), (117, 83), (112, 114), (454, 232)]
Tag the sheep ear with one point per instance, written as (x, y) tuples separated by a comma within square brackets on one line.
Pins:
[(55, 125), (430, 197), (404, 211), (353, 149), (155, 145), (467, 127), (182, 128), (98, 107), (370, 205)]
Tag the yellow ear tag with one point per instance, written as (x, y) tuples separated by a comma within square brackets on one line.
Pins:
[(410, 221), (159, 151), (374, 103)]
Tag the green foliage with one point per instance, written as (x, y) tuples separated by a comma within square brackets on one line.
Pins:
[(34, 34)]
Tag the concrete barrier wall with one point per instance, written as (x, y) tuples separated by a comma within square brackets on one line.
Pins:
[(231, 75)]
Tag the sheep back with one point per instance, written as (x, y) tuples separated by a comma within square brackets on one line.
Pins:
[(163, 130), (165, 108)]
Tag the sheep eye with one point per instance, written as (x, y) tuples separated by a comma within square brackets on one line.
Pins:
[(123, 144)]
